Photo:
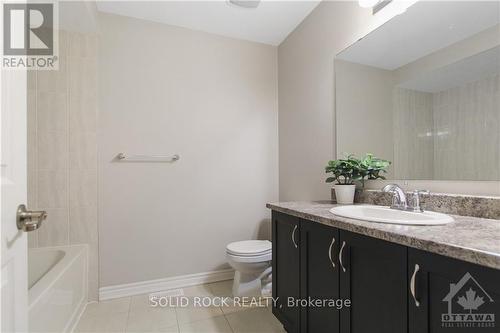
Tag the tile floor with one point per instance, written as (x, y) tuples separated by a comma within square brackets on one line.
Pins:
[(134, 314)]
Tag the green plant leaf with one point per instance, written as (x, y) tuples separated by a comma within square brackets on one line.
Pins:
[(351, 168)]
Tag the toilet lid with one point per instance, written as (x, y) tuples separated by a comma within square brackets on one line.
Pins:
[(249, 248)]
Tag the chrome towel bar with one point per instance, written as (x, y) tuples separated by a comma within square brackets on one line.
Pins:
[(147, 158)]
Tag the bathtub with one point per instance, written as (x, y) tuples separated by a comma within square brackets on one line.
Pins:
[(57, 287)]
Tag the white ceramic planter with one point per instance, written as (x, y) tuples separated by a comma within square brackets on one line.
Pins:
[(345, 194)]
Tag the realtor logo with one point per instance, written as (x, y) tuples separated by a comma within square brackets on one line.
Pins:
[(467, 302), (29, 36)]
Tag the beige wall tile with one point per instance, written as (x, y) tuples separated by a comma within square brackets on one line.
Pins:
[(52, 150), (82, 112), (32, 187), (83, 150), (52, 111), (62, 136), (54, 231), (55, 80), (83, 187), (82, 75), (77, 45), (83, 224), (31, 148), (31, 77), (82, 45), (52, 189)]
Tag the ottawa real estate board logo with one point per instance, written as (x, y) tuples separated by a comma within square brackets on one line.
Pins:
[(30, 35), (469, 305)]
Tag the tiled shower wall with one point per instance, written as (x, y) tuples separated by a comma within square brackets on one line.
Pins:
[(454, 134), (62, 149)]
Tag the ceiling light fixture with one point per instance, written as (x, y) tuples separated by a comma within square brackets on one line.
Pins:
[(245, 3)]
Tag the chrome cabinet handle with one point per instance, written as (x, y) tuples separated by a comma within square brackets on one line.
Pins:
[(340, 255), (293, 237), (29, 220), (412, 285), (330, 252)]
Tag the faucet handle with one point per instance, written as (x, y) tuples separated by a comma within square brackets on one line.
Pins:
[(416, 200)]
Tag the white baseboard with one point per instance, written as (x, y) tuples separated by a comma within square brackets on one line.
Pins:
[(144, 287)]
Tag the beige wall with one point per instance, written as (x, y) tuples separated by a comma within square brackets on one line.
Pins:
[(213, 101), (306, 94), (62, 149)]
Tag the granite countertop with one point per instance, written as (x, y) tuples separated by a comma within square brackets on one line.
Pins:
[(471, 239)]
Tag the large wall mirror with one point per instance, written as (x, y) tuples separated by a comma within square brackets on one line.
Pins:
[(423, 91)]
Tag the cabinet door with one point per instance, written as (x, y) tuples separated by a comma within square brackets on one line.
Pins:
[(374, 277), (449, 296), (286, 269), (319, 248)]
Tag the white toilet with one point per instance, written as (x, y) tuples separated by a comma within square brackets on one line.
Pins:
[(251, 259)]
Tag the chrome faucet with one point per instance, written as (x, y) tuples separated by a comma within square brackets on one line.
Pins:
[(399, 200)]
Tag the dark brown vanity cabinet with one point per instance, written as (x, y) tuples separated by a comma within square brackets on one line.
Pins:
[(392, 288), (449, 296), (319, 276), (286, 269), (373, 277), (319, 263)]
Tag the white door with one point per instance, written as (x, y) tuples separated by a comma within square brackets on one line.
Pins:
[(14, 291)]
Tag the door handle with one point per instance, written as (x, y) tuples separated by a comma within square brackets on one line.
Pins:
[(29, 220), (330, 252), (340, 256), (293, 236), (412, 284)]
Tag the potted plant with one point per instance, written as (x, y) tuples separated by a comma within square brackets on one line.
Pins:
[(345, 172), (370, 168)]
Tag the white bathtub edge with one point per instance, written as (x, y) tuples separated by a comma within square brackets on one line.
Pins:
[(75, 261), (36, 292), (75, 317)]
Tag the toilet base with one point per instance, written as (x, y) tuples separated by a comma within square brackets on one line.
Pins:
[(247, 284)]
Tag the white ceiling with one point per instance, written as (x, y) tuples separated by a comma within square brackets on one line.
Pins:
[(424, 28), (269, 23)]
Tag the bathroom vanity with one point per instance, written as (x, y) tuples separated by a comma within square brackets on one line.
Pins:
[(421, 91), (397, 278)]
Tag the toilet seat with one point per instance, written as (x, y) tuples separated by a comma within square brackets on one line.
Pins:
[(251, 259), (249, 248)]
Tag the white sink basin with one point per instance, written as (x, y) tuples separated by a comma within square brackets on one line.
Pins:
[(382, 214)]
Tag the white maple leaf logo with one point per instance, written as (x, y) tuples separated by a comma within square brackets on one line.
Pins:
[(470, 301)]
